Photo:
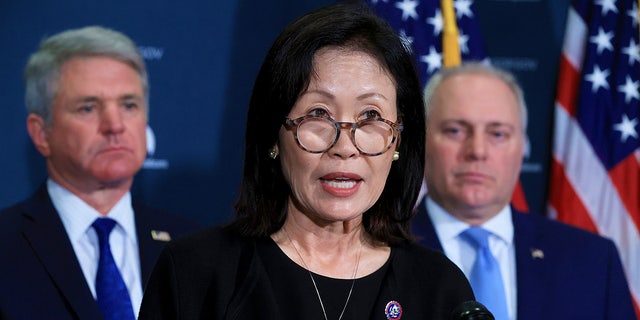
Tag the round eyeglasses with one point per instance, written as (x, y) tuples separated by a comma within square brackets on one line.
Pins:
[(371, 137)]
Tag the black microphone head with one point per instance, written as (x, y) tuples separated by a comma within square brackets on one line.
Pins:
[(471, 310)]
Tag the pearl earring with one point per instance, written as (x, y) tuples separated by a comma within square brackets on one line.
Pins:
[(396, 155), (273, 153)]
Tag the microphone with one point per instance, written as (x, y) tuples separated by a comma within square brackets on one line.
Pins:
[(471, 310)]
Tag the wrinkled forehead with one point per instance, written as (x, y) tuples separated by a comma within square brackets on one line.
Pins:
[(475, 96)]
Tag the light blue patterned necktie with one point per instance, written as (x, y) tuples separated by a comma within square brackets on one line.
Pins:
[(112, 294), (485, 277)]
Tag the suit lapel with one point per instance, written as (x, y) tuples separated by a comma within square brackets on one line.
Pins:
[(148, 247), (531, 265), (43, 230), (423, 227)]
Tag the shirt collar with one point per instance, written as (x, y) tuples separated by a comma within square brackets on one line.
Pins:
[(449, 227), (77, 216)]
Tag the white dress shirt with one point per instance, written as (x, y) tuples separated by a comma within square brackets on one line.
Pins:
[(448, 229), (77, 217)]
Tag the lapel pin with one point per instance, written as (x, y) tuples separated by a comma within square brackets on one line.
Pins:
[(393, 310), (537, 254), (159, 235)]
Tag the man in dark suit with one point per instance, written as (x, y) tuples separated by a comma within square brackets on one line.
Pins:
[(81, 247), (476, 125)]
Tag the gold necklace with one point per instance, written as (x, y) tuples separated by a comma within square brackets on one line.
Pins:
[(355, 272)]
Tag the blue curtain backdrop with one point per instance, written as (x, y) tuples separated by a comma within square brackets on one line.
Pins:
[(202, 58)]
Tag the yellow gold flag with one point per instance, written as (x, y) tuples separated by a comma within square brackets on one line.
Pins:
[(450, 46)]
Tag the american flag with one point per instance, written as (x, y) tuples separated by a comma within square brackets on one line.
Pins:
[(420, 25), (595, 171)]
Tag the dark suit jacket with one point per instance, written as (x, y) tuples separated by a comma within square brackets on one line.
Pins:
[(40, 277), (562, 272), (216, 274)]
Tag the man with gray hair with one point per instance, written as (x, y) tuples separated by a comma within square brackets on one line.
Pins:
[(81, 247), (520, 265)]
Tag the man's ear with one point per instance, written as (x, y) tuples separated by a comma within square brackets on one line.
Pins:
[(37, 129)]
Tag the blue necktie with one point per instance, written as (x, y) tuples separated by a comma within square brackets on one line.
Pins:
[(113, 296), (485, 277)]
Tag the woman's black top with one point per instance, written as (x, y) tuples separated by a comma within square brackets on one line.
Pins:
[(295, 292)]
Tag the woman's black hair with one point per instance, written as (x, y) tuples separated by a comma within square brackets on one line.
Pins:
[(285, 74)]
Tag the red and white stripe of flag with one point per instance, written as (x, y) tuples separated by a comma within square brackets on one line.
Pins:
[(582, 191)]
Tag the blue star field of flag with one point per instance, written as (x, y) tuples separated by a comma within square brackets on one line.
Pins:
[(607, 106), (419, 24)]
